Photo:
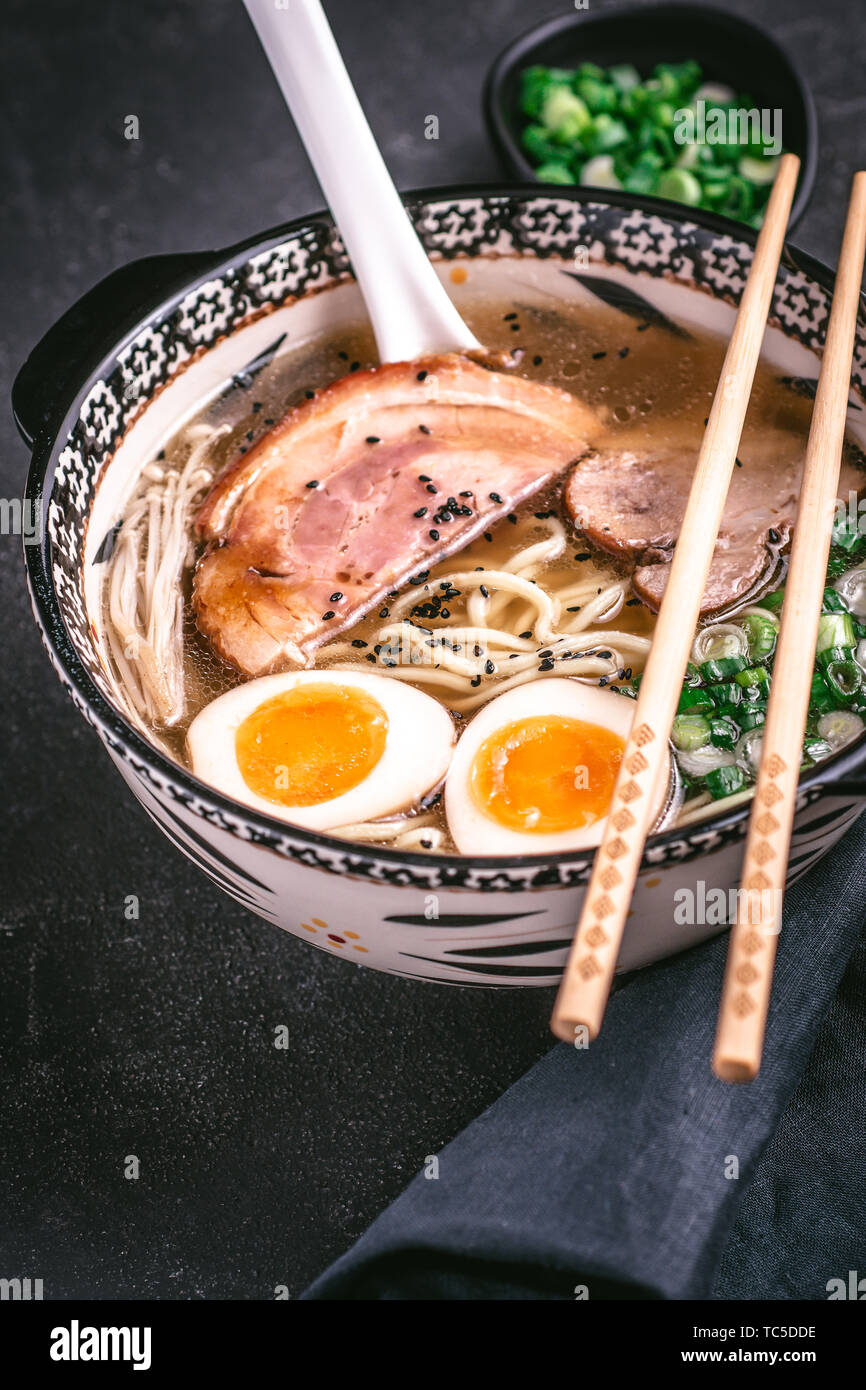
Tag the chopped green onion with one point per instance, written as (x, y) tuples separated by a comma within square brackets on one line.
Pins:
[(690, 731), (835, 630), (772, 601), (753, 675), (719, 641), (724, 731), (724, 781), (726, 693), (680, 186), (751, 716), (844, 678), (695, 700), (554, 172), (821, 697), (723, 667), (817, 749), (833, 602), (564, 115), (599, 173), (840, 728), (762, 633)]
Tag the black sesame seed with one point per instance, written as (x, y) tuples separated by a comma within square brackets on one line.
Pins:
[(432, 488), (336, 596), (326, 617), (485, 592), (249, 434), (597, 356), (575, 609), (422, 511), (434, 535), (494, 497), (445, 613), (623, 352), (546, 665), (525, 634), (515, 328), (774, 535), (358, 642), (512, 518), (309, 395), (583, 555), (314, 482), (424, 429), (343, 356), (475, 681), (642, 327), (537, 361), (269, 421), (476, 650), (606, 655), (370, 656), (354, 366), (626, 675), (489, 667), (632, 603), (507, 317), (487, 536), (605, 680), (424, 478), (373, 439), (467, 494), (383, 612), (738, 462), (420, 376)]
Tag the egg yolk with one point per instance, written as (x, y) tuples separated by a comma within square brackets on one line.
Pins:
[(546, 774), (311, 743)]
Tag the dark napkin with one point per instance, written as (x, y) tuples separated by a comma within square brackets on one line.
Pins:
[(612, 1167)]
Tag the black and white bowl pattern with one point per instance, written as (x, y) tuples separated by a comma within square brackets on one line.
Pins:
[(452, 919)]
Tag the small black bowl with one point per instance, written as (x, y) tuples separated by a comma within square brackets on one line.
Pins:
[(729, 50)]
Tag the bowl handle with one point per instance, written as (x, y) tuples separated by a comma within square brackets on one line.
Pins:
[(79, 340)]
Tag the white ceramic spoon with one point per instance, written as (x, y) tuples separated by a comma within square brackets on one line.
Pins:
[(409, 309)]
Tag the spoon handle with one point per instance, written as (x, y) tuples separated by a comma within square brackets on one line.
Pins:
[(410, 311)]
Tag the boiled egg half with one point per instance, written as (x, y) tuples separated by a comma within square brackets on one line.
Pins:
[(323, 748), (535, 769)]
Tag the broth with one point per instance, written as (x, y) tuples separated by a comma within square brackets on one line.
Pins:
[(652, 388)]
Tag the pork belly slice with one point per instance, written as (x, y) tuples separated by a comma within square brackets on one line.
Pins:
[(354, 492), (630, 501)]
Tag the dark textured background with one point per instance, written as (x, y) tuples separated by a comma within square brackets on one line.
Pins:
[(155, 1037)]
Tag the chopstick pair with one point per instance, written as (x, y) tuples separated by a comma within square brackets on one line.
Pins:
[(589, 971)]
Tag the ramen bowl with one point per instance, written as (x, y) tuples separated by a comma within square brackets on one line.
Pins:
[(111, 381)]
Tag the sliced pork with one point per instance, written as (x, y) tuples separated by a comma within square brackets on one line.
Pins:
[(376, 478), (630, 501)]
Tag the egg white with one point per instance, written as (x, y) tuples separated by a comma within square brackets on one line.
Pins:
[(418, 748), (475, 833)]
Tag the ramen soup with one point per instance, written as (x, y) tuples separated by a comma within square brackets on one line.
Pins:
[(417, 612)]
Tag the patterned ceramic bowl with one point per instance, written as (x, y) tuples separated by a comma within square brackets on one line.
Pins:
[(111, 380)]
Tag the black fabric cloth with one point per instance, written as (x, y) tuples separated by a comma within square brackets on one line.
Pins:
[(628, 1170)]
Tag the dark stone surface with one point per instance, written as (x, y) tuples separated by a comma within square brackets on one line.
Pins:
[(155, 1037)]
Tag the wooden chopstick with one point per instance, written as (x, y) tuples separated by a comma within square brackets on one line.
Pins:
[(586, 981), (752, 948)]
